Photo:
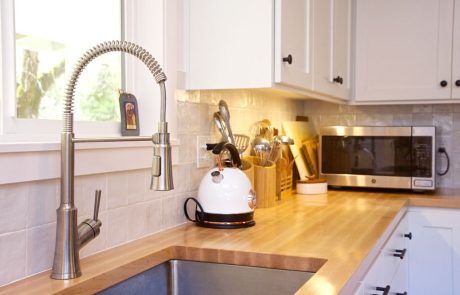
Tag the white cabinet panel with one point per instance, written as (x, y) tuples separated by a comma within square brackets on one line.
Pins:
[(384, 269), (434, 254), (456, 53), (332, 47), (400, 283), (403, 49), (230, 44), (293, 37)]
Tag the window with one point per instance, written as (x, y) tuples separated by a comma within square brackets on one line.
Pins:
[(50, 36), (59, 35), (41, 43)]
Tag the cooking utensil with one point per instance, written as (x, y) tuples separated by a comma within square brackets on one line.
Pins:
[(262, 149), (263, 129), (299, 131), (278, 140), (241, 142), (225, 113), (220, 124)]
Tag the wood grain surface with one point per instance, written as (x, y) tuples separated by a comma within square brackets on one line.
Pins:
[(328, 234)]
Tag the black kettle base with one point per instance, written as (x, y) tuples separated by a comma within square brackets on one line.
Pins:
[(219, 220), (226, 225)]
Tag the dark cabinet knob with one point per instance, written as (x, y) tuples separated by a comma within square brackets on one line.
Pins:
[(443, 83), (386, 289), (338, 79), (405, 293), (400, 253), (409, 236), (288, 59), (457, 83)]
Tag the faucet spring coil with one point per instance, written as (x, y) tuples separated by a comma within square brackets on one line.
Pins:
[(94, 52)]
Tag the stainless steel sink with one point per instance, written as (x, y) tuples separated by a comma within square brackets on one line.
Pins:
[(191, 277)]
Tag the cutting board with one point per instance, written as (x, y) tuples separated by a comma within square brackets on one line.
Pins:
[(299, 131)]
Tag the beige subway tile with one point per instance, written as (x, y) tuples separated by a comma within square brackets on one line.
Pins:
[(137, 185), (40, 248), (117, 226), (12, 257), (422, 119), (138, 221), (422, 108), (443, 123), (117, 190), (169, 213), (155, 216), (13, 204), (42, 202)]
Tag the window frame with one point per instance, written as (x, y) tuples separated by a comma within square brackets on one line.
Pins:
[(44, 130)]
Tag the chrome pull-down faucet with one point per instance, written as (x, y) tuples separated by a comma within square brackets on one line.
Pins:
[(70, 236)]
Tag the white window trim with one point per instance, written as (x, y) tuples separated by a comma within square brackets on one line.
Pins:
[(31, 156)]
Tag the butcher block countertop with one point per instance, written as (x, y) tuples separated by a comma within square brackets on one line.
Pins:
[(333, 235)]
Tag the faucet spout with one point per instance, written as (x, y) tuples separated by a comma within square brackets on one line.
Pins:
[(71, 237)]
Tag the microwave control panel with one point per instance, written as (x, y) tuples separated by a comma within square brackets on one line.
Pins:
[(422, 156)]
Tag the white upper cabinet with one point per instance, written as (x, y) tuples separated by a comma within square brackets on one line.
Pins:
[(456, 54), (404, 50), (293, 43), (229, 44), (267, 44), (332, 47)]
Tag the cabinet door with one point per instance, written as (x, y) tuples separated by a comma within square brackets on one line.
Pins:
[(403, 49), (332, 47), (230, 44), (456, 53), (434, 260), (293, 37)]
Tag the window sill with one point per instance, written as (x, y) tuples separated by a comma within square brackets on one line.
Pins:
[(33, 161)]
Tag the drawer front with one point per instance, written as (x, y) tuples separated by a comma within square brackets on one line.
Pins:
[(391, 256)]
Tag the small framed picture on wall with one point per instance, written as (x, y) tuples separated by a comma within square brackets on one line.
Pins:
[(129, 114)]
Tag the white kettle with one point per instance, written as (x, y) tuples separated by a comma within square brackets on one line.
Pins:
[(225, 196)]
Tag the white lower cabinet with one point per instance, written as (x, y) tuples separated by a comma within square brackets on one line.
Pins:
[(434, 257), (381, 278), (427, 241)]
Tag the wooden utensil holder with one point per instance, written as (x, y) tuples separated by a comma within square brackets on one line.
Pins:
[(283, 179), (248, 169), (264, 183)]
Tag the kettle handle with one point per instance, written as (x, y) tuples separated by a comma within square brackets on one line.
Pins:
[(199, 217)]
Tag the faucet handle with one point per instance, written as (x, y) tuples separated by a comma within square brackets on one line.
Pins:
[(97, 203)]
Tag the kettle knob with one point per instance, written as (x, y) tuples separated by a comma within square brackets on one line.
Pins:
[(217, 176)]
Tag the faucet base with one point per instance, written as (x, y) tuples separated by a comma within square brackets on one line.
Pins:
[(66, 263)]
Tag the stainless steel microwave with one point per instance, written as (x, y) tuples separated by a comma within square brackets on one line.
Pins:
[(381, 157)]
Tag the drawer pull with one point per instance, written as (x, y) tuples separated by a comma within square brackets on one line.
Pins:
[(400, 253), (405, 293), (409, 236), (385, 290), (338, 79), (288, 59)]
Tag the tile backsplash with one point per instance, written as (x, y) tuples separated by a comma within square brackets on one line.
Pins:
[(446, 118), (129, 210)]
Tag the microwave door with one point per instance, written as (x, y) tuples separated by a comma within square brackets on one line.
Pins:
[(366, 155)]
